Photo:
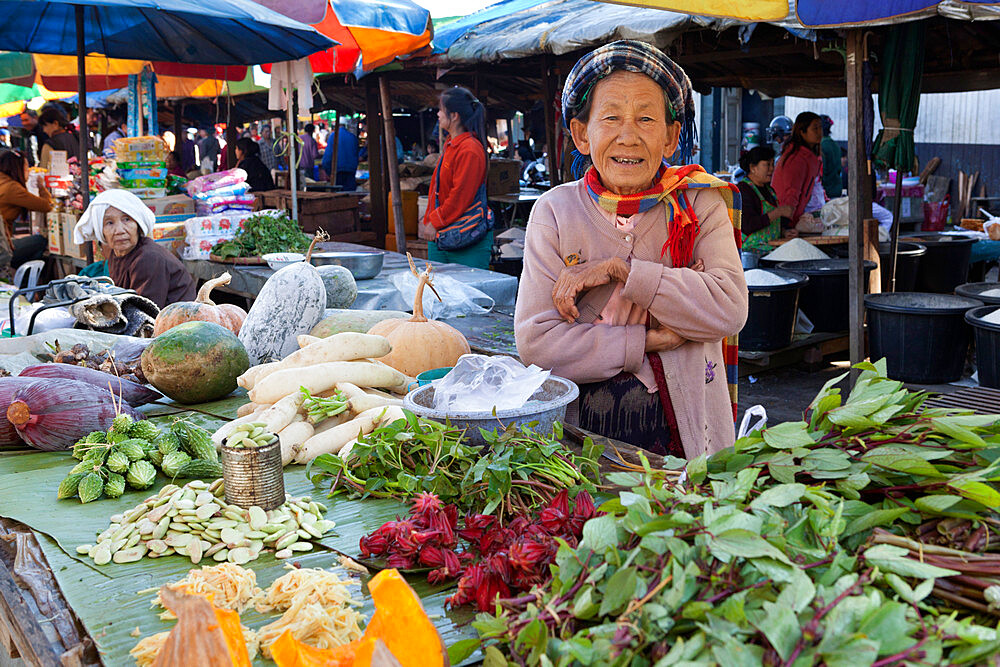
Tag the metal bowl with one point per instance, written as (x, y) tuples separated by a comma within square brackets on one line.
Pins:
[(546, 405), (363, 265)]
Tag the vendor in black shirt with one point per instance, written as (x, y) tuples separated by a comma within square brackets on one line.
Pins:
[(762, 217), (248, 159)]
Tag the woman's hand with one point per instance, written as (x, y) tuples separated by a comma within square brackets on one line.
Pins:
[(575, 279), (662, 340), (780, 212)]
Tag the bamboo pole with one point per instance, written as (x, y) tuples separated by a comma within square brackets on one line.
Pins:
[(392, 165), (81, 79), (855, 166)]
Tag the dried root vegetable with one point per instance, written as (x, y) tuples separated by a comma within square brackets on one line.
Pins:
[(313, 624), (227, 586), (325, 587)]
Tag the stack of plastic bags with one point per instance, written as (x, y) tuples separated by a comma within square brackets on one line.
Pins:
[(142, 166), (205, 231), (221, 192)]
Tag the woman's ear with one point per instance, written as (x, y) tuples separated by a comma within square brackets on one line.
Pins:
[(673, 139), (578, 130)]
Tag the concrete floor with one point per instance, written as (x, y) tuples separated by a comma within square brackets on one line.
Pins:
[(786, 392)]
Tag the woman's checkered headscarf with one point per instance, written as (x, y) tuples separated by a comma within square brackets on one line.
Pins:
[(634, 56)]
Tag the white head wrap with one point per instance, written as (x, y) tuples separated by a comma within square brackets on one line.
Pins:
[(91, 224)]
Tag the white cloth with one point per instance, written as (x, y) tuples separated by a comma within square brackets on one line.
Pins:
[(288, 75), (91, 224)]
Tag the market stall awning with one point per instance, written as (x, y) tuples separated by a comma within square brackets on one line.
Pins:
[(746, 10), (17, 68), (369, 34), (446, 35), (60, 72), (223, 32), (825, 13)]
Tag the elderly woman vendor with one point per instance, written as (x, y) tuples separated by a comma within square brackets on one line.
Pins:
[(122, 224), (632, 279)]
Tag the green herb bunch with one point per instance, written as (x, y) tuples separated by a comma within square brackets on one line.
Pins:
[(863, 535), (264, 233), (519, 469)]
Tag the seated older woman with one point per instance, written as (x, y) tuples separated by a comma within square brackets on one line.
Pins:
[(122, 224), (632, 279)]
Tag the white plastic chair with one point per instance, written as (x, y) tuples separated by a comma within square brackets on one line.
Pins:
[(33, 269)]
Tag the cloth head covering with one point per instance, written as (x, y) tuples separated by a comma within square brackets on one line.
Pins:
[(91, 224), (634, 56)]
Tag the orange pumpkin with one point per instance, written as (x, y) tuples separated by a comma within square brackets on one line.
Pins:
[(419, 344), (202, 309)]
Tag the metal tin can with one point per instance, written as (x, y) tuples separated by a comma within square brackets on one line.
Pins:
[(254, 476)]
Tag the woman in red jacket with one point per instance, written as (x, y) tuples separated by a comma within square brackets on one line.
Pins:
[(800, 164), (457, 184)]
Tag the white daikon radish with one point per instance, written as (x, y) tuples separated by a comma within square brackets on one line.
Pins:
[(359, 404), (291, 438), (307, 339), (247, 409), (345, 451), (282, 413), (403, 387), (330, 422), (347, 346), (331, 441), (227, 428), (252, 374), (324, 376)]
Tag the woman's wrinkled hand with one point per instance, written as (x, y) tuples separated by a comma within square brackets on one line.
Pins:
[(575, 279), (662, 339)]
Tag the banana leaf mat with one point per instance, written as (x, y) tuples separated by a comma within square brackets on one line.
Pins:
[(106, 598)]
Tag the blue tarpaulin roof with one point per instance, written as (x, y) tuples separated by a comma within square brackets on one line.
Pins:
[(445, 35), (816, 13), (220, 32)]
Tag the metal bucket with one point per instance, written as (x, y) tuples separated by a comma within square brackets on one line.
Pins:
[(254, 476)]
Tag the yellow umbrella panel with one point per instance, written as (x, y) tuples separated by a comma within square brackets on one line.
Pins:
[(746, 10)]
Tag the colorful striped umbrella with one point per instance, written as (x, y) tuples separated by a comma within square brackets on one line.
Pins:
[(370, 34)]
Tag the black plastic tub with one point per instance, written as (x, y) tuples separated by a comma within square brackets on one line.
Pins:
[(987, 345), (825, 299), (975, 291), (771, 318), (907, 264), (945, 266), (923, 336)]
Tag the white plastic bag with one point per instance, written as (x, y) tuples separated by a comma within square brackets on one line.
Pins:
[(457, 298), (480, 383), (748, 416)]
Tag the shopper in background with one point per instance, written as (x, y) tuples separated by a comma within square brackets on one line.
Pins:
[(208, 150), (458, 184), (33, 149), (310, 152), (266, 144), (248, 159), (15, 202), (830, 150), (56, 127), (797, 173), (347, 156), (189, 160)]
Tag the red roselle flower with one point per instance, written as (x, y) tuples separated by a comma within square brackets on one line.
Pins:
[(532, 555), (426, 503), (556, 514)]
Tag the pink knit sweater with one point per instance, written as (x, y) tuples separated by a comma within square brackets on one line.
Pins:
[(703, 307)]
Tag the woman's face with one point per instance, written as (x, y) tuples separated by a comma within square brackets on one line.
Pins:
[(121, 232), (761, 172), (239, 154), (50, 129), (814, 133), (628, 133), (448, 121)]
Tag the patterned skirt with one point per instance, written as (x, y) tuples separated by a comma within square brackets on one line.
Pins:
[(622, 409)]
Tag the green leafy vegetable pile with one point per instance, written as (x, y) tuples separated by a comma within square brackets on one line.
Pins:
[(865, 535), (519, 469), (264, 233)]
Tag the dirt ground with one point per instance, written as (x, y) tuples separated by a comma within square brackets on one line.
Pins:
[(786, 392)]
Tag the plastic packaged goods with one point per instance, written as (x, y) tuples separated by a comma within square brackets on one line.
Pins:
[(215, 181)]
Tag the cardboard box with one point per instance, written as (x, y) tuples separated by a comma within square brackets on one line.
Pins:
[(170, 244), (71, 249), (168, 230), (409, 198), (53, 224), (172, 205), (504, 176)]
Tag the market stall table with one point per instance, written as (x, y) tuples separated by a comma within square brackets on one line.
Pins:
[(378, 293), (510, 204)]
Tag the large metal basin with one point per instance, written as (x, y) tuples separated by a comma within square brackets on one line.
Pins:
[(547, 405), (362, 265)]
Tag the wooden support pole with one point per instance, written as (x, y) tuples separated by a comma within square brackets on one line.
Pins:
[(81, 79), (392, 166), (336, 146), (549, 86), (856, 167), (871, 255), (373, 118), (231, 135), (178, 129)]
